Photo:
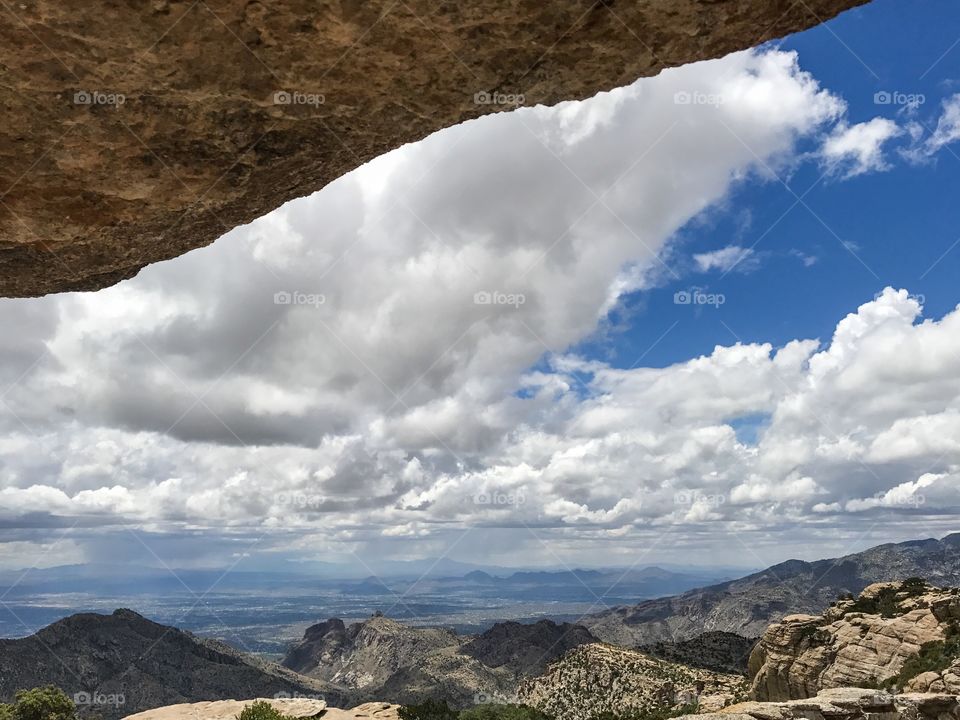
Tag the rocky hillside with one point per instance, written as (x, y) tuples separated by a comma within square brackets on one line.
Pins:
[(890, 635), (125, 664), (845, 704), (719, 651), (382, 659), (598, 678), (748, 605)]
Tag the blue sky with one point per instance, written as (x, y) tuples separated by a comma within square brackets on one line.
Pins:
[(901, 220)]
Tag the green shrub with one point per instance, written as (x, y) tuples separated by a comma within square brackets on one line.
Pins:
[(933, 657), (261, 710), (659, 714), (42, 703)]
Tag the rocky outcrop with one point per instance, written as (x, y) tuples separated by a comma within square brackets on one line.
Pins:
[(291, 708), (845, 704), (121, 664), (720, 651), (526, 649), (134, 132), (599, 678), (748, 605), (864, 642), (365, 654), (384, 659)]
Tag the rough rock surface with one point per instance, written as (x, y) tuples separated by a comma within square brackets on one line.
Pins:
[(844, 704), (943, 681), (384, 659), (598, 678), (134, 132), (135, 664), (748, 605), (230, 709), (295, 708), (861, 642)]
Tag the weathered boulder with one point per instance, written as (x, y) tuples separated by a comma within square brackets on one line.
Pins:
[(135, 131)]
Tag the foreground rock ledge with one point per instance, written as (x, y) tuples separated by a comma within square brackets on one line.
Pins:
[(133, 132), (290, 707)]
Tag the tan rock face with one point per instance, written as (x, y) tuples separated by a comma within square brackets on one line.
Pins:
[(846, 704), (134, 132), (803, 654), (293, 707), (229, 709)]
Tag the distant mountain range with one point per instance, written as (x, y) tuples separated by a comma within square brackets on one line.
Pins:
[(150, 665), (748, 605)]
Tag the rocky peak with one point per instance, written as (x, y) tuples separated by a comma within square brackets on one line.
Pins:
[(867, 641)]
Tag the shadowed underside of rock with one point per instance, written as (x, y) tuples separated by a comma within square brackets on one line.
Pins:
[(134, 132)]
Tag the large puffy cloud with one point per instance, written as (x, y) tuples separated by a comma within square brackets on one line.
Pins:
[(355, 368)]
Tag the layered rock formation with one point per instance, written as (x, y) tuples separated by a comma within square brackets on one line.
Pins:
[(134, 132), (748, 605), (865, 642), (845, 704), (122, 663), (598, 678)]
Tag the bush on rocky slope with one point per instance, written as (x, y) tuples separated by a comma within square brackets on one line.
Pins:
[(438, 710), (42, 703)]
